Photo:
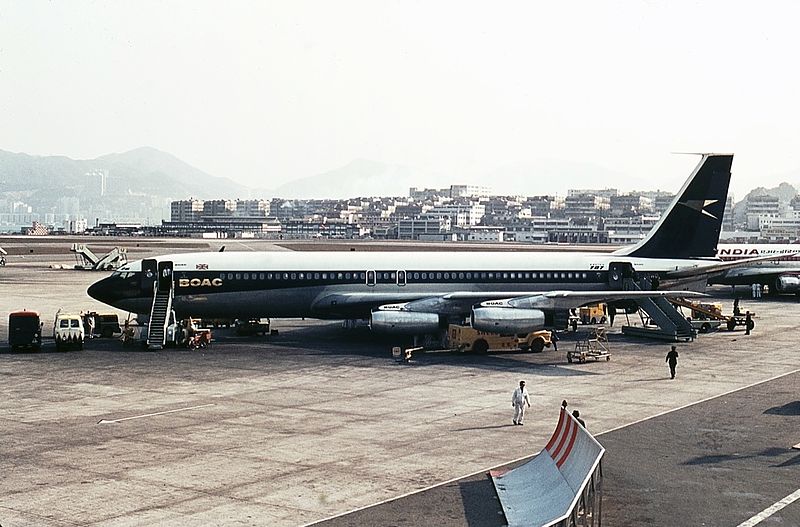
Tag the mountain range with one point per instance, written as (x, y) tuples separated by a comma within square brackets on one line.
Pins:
[(141, 171), (147, 171)]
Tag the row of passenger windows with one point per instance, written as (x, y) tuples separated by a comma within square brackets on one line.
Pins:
[(391, 276)]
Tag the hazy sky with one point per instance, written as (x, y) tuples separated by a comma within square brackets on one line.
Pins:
[(266, 92)]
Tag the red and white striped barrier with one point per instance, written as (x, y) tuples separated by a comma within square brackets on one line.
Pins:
[(546, 490)]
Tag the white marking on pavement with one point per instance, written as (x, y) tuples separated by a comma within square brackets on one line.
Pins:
[(106, 421), (483, 471), (772, 509)]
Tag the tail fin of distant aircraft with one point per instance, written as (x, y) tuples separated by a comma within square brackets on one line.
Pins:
[(691, 225)]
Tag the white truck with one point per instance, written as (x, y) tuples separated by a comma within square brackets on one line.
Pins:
[(68, 331)]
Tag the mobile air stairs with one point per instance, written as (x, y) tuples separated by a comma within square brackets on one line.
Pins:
[(86, 259), (669, 323), (160, 316)]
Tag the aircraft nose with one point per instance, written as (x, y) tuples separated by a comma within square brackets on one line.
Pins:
[(101, 290)]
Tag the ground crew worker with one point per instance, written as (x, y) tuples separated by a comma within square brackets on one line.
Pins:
[(577, 415), (672, 360), (748, 323), (519, 400), (554, 339)]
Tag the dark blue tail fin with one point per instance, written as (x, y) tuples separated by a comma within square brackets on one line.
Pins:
[(691, 225)]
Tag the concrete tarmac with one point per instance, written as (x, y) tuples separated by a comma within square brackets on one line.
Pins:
[(318, 422)]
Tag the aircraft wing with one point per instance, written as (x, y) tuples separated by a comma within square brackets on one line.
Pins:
[(758, 271), (699, 271), (460, 302)]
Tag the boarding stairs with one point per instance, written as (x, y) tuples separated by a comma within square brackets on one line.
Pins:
[(159, 317), (87, 259), (672, 326)]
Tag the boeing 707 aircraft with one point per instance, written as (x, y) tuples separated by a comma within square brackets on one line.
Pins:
[(419, 292)]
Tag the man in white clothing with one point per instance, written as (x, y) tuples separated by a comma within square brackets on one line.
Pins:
[(519, 401)]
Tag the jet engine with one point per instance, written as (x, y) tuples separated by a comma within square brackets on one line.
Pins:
[(506, 320), (787, 284), (404, 322)]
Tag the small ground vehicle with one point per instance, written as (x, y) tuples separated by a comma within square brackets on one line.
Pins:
[(465, 338), (105, 325), (253, 326), (24, 330), (704, 326), (592, 314), (68, 331), (200, 338)]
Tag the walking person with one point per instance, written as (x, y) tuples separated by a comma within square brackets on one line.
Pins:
[(577, 415), (554, 339), (519, 400), (748, 323), (672, 360)]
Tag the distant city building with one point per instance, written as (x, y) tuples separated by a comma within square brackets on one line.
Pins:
[(630, 205), (425, 227), (607, 193), (469, 191), (585, 205), (727, 217), (186, 210), (763, 205)]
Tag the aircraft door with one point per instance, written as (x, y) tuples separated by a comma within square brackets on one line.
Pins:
[(148, 277), (401, 278), (164, 276), (618, 272), (370, 278)]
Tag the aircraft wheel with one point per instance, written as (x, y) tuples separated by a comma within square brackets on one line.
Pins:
[(537, 346)]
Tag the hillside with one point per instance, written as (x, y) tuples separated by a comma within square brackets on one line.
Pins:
[(140, 171)]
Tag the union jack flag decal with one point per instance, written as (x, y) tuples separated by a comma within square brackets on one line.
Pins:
[(201, 267)]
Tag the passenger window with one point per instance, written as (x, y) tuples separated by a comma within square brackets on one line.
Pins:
[(424, 276), (238, 276), (324, 276), (469, 276), (460, 276), (347, 276), (339, 276), (301, 276), (527, 276), (394, 276), (416, 276), (438, 276), (363, 276), (447, 276), (246, 276), (569, 275), (230, 276), (583, 275), (316, 276), (222, 275), (491, 276), (549, 276), (260, 276), (285, 276)]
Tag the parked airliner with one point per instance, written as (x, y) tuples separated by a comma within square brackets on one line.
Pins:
[(419, 292), (781, 274)]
